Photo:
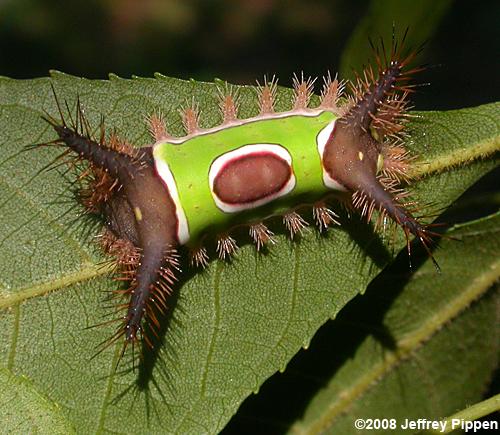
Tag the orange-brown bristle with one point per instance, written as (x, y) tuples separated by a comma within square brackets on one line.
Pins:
[(141, 235), (397, 161), (323, 216), (267, 95), (379, 99), (191, 118), (98, 185), (123, 250), (261, 235), (377, 102), (365, 153), (391, 116), (122, 146), (303, 90), (199, 257), (228, 104), (332, 91), (97, 188), (155, 306), (157, 127), (146, 304)]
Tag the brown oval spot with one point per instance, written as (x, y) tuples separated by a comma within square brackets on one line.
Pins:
[(252, 177)]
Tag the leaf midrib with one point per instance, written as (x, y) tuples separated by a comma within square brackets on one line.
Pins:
[(88, 271), (457, 158)]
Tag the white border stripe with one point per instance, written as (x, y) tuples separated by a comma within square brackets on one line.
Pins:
[(166, 175), (237, 122), (321, 141)]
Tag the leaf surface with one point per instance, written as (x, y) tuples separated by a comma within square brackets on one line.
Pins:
[(416, 345), (234, 324), (25, 410), (434, 346)]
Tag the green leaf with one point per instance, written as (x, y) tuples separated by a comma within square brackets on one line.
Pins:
[(432, 340), (233, 325), (24, 410), (420, 17)]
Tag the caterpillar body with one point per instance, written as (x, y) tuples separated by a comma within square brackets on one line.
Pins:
[(187, 190)]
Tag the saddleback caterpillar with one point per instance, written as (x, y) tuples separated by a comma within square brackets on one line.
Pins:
[(193, 190)]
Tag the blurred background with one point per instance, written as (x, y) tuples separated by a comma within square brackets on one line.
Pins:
[(240, 41)]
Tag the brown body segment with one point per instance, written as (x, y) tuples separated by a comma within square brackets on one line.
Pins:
[(350, 156), (351, 153), (251, 178), (149, 222)]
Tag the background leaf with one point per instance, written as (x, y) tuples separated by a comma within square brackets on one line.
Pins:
[(435, 343), (25, 410), (233, 325), (420, 18)]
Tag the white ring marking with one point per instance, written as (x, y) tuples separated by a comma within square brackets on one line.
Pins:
[(248, 150)]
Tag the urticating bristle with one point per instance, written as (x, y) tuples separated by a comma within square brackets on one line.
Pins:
[(362, 201), (386, 199), (155, 277), (226, 246), (331, 93), (380, 98), (391, 117), (124, 251), (294, 223), (199, 257), (396, 162), (228, 103), (115, 157), (370, 94), (157, 127), (303, 90), (191, 118), (323, 216), (96, 184), (96, 189), (267, 95), (261, 235)]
